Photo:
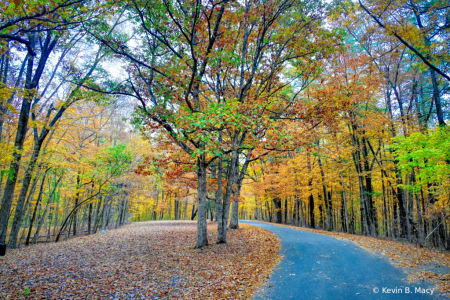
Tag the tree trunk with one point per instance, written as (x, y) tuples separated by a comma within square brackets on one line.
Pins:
[(356, 155), (329, 225), (202, 236), (56, 216), (77, 198), (97, 214), (277, 207), (401, 203), (175, 206), (222, 222), (41, 221), (22, 127), (311, 197), (108, 216), (193, 213), (295, 218), (89, 218), (41, 189), (285, 211), (239, 178), (344, 202), (303, 221), (234, 221), (385, 217), (371, 210), (19, 213)]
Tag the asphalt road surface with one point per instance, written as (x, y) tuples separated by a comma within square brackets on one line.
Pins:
[(318, 266)]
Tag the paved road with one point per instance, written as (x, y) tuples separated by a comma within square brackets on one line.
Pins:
[(317, 266)]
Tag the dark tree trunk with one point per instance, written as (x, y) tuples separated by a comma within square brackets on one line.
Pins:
[(97, 214), (41, 189), (329, 225), (311, 197), (89, 218), (401, 205), (295, 218), (371, 210), (311, 209), (175, 204), (277, 207), (345, 223), (395, 219), (108, 217), (285, 211), (193, 213), (77, 198)]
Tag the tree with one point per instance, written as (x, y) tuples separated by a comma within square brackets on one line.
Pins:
[(32, 104), (200, 76), (420, 26)]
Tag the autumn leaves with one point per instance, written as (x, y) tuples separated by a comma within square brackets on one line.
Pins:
[(143, 261)]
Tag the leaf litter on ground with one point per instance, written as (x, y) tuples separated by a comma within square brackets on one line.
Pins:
[(146, 260)]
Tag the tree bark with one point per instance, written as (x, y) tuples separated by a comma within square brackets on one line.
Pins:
[(344, 202), (77, 198), (202, 236), (277, 207), (311, 197), (40, 222), (239, 177), (41, 189), (329, 225), (89, 218)]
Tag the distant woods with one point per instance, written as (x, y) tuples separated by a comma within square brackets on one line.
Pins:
[(383, 168)]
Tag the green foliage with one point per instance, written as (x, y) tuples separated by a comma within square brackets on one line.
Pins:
[(427, 155), (113, 161)]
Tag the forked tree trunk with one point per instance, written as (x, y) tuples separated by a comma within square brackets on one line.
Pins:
[(222, 220)]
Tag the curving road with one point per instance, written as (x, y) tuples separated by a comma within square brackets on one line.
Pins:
[(317, 266)]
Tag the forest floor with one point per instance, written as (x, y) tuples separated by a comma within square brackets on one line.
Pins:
[(419, 264), (146, 260)]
